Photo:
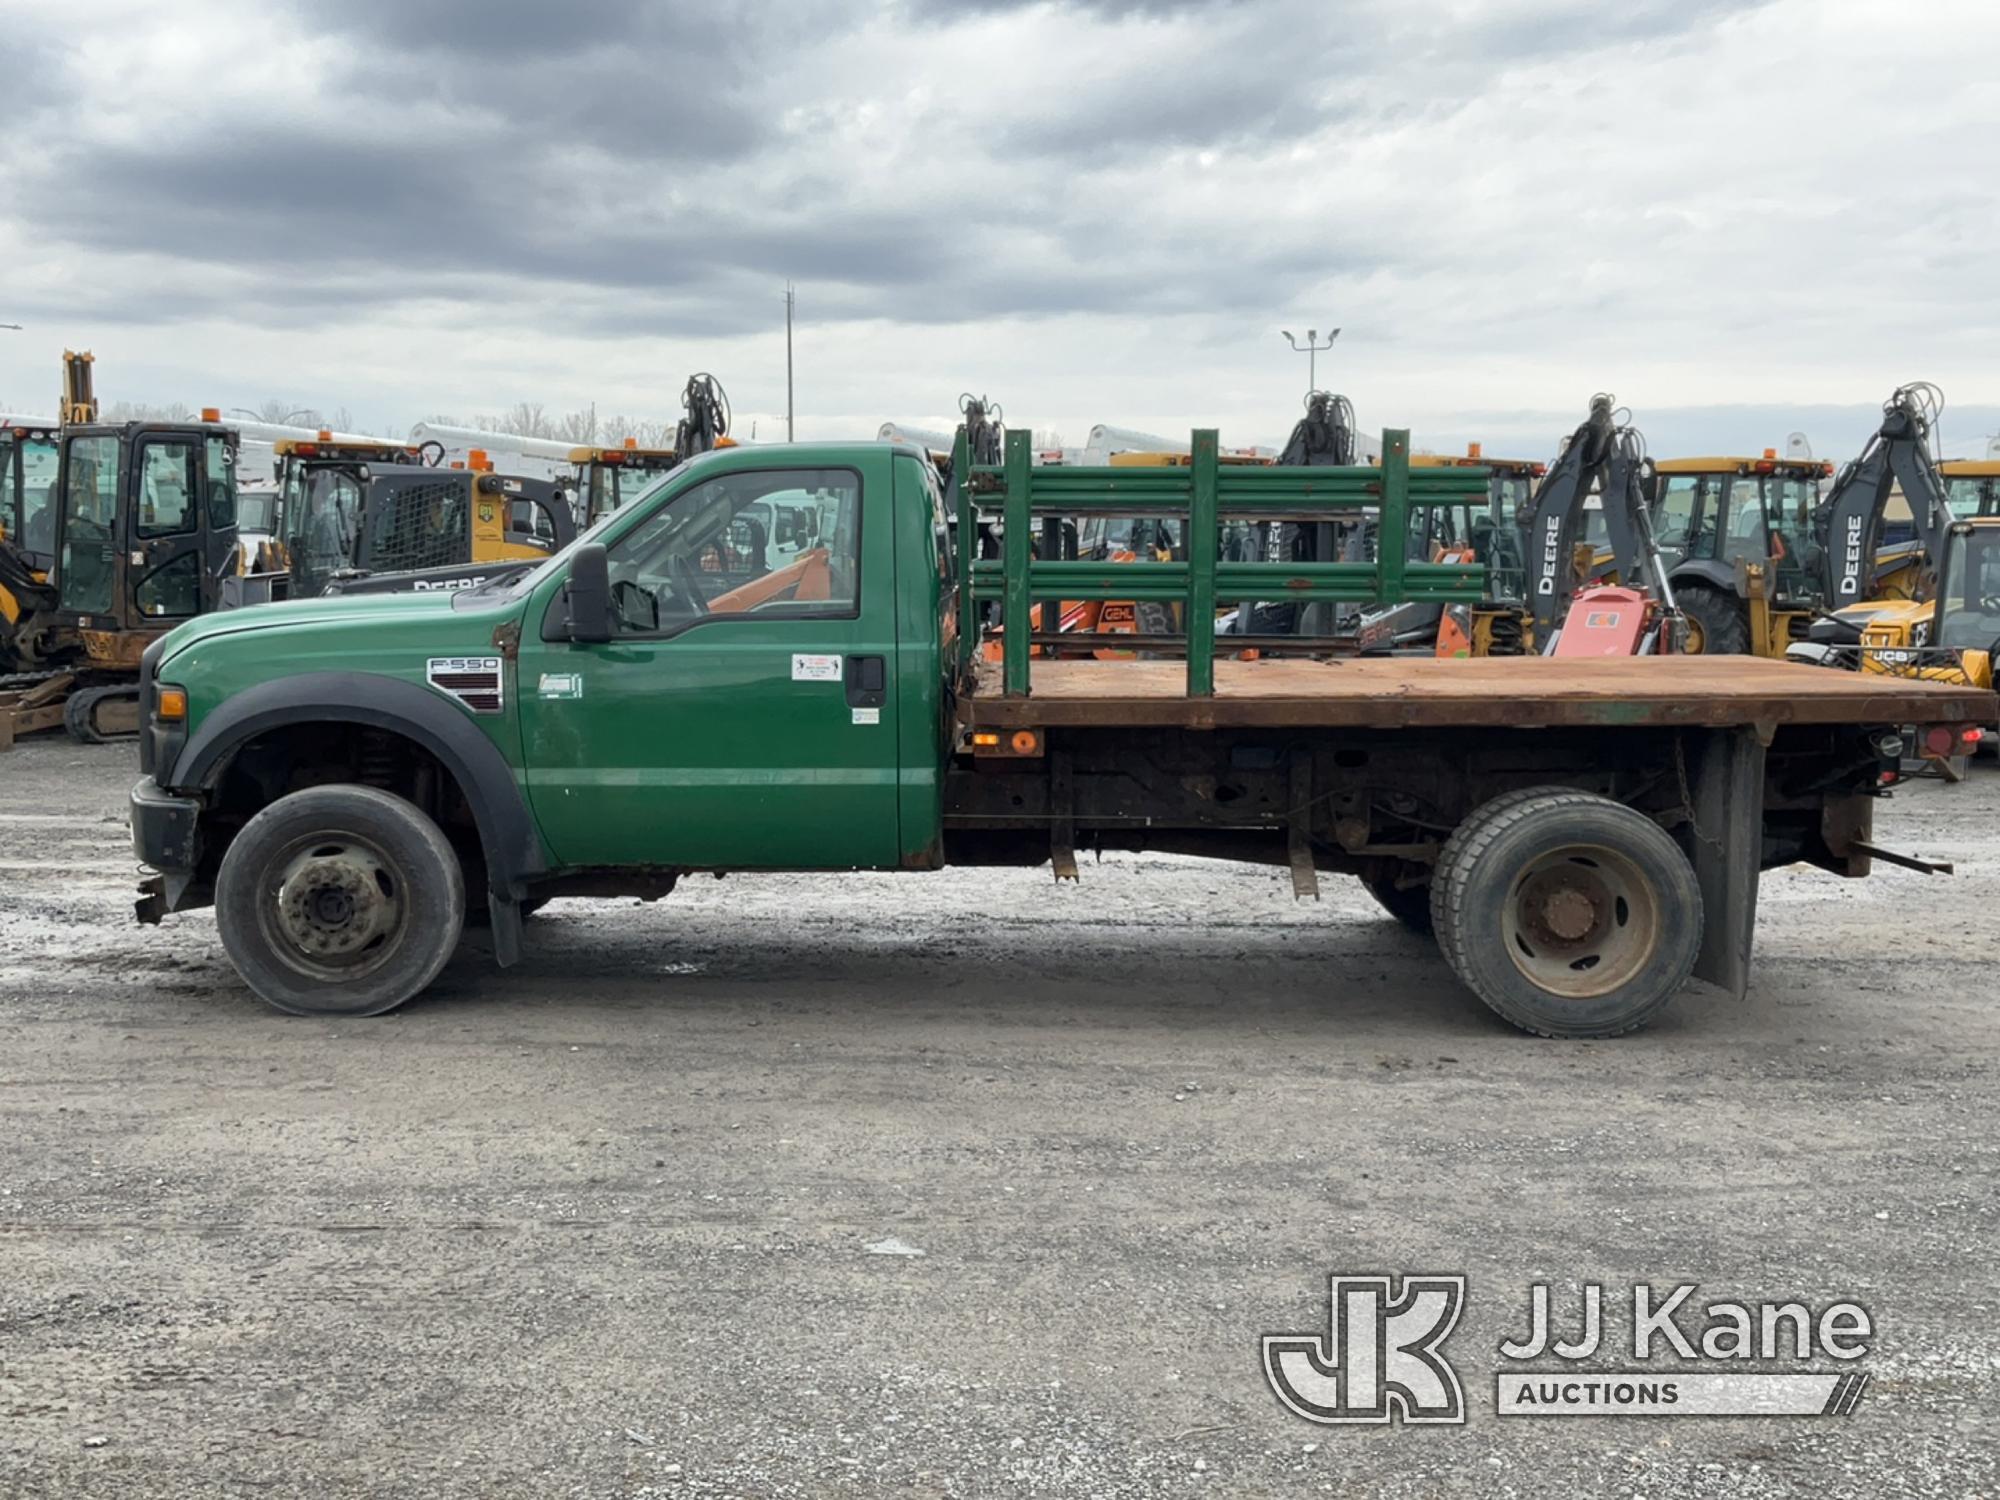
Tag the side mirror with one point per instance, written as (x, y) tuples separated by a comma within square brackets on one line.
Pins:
[(589, 594)]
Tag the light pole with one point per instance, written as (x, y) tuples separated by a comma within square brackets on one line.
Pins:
[(1311, 349), (15, 326), (791, 303)]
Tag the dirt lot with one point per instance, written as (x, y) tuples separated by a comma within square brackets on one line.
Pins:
[(600, 1225)]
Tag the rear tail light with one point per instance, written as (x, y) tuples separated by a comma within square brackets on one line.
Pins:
[(1944, 739)]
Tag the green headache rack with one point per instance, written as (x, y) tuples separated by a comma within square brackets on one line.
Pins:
[(1202, 493)]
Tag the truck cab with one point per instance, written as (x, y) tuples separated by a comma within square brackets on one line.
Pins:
[(688, 688)]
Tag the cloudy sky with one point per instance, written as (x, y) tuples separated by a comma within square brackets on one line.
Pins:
[(1740, 217)]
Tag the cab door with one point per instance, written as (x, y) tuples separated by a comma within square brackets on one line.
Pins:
[(745, 713), (180, 524)]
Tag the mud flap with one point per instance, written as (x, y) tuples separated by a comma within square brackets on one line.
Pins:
[(1724, 779), (506, 929)]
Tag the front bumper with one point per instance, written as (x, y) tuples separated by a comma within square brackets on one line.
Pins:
[(166, 834)]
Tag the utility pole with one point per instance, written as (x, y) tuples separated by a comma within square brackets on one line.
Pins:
[(1311, 349), (791, 301)]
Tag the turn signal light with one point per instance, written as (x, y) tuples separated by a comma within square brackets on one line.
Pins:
[(1025, 742), (986, 741), (173, 705)]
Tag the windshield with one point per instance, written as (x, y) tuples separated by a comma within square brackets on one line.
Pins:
[(1972, 496), (1969, 607), (257, 511), (1713, 517), (322, 525), (614, 486), (27, 492)]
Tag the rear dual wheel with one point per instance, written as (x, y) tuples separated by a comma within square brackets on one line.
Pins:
[(1568, 913)]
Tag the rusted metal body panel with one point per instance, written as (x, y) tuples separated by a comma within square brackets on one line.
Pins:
[(1500, 692)]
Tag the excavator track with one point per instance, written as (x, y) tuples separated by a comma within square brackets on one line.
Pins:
[(97, 715)]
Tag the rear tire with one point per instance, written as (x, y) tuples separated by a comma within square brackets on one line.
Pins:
[(1716, 620), (1568, 913), (1454, 847), (1410, 905), (339, 901)]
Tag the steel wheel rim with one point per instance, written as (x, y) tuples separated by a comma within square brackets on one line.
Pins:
[(335, 906), (1580, 921)]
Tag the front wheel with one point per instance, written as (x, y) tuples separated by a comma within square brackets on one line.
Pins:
[(1568, 913), (1715, 624), (339, 901)]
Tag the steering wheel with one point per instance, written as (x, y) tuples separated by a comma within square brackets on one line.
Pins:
[(430, 453), (689, 583)]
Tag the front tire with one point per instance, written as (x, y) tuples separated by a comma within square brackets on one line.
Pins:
[(1715, 621), (339, 901), (1569, 914)]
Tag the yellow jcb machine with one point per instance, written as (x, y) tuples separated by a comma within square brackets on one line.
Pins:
[(1952, 638)]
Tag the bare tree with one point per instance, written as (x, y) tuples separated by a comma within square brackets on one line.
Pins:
[(578, 426)]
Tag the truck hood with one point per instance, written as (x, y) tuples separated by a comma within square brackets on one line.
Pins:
[(343, 613)]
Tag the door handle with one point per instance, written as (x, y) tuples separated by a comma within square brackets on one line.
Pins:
[(867, 681)]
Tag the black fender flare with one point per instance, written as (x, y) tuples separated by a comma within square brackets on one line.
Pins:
[(1706, 573), (506, 827)]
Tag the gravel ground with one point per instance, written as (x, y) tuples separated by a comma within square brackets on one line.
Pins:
[(600, 1225)]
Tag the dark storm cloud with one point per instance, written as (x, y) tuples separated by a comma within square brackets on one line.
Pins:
[(682, 157)]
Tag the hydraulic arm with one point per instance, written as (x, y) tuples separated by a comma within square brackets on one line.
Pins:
[(1848, 522)]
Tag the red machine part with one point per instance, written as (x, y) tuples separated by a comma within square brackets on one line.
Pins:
[(1605, 621)]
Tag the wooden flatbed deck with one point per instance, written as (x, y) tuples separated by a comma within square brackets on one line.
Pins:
[(1514, 692)]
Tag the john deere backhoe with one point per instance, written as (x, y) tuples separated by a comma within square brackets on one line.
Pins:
[(1755, 554), (1538, 562)]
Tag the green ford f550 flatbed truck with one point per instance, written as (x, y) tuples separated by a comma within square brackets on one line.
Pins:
[(772, 662)]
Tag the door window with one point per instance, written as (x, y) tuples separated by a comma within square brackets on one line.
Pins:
[(89, 551), (221, 484), (172, 589), (1743, 533), (1676, 527), (168, 475), (778, 543)]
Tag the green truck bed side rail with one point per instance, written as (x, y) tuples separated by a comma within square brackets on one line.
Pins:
[(1203, 492)]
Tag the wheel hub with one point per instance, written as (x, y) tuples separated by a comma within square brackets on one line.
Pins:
[(1568, 913), (1582, 921), (335, 901)]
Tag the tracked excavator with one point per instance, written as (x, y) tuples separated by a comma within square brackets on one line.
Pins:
[(144, 533)]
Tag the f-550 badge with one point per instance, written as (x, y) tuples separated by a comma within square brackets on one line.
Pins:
[(475, 681)]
